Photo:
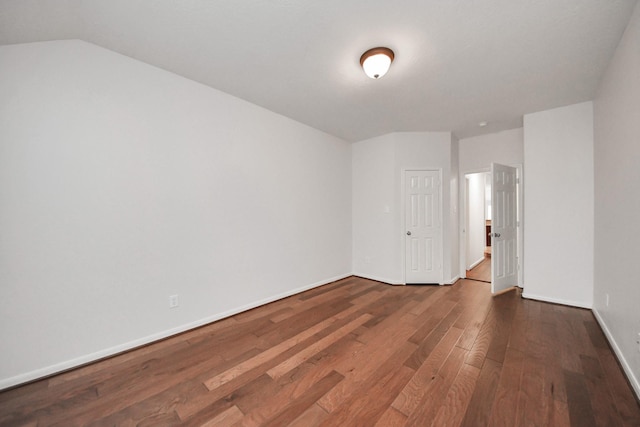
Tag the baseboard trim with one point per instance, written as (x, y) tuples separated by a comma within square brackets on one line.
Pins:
[(131, 345), (633, 380), (555, 300), (452, 281), (396, 283), (475, 263), (378, 279)]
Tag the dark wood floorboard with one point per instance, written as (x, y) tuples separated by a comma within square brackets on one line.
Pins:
[(354, 353)]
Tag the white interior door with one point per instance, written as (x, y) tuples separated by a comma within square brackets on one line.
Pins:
[(504, 231), (423, 247)]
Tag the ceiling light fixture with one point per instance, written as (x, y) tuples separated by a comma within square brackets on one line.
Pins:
[(376, 62)]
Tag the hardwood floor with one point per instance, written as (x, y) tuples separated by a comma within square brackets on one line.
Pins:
[(354, 353), (481, 272)]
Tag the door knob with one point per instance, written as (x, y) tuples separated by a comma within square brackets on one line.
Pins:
[(408, 233)]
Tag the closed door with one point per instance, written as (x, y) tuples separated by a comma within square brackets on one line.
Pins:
[(423, 233), (504, 232)]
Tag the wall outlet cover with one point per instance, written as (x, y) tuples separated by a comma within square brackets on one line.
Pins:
[(173, 301)]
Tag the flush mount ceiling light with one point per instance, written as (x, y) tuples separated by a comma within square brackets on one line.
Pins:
[(376, 62)]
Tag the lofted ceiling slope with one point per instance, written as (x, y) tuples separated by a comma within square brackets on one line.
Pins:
[(458, 62)]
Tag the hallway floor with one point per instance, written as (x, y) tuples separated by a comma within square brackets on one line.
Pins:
[(481, 272)]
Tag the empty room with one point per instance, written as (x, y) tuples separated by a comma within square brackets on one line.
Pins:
[(295, 213)]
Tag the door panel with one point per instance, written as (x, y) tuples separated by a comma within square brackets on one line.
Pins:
[(504, 256), (423, 230)]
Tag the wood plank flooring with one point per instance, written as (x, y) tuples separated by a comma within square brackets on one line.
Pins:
[(481, 272), (354, 353)]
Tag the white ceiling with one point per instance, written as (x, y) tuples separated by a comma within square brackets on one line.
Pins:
[(458, 62)]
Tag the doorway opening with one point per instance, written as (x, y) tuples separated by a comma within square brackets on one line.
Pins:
[(478, 227), (491, 218)]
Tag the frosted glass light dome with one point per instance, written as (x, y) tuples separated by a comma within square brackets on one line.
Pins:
[(376, 62)]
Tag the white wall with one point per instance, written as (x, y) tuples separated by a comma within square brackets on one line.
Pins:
[(477, 153), (488, 205), (617, 200), (558, 191), (475, 228), (375, 210), (122, 184), (378, 237)]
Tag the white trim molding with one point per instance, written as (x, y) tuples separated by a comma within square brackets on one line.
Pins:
[(452, 281), (633, 379), (378, 279), (554, 300), (475, 263)]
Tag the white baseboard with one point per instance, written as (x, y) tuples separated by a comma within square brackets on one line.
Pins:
[(92, 357), (395, 282), (475, 263), (378, 279), (527, 295), (452, 281), (635, 382)]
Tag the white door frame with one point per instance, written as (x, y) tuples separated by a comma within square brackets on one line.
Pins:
[(403, 223), (463, 217)]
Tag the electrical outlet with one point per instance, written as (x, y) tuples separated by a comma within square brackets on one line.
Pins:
[(367, 260), (607, 300), (173, 301)]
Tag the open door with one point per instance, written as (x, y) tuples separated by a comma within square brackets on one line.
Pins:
[(504, 230)]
